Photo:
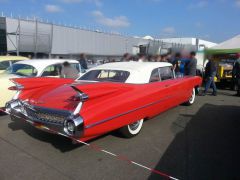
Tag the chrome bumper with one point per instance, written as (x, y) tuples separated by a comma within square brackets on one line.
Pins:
[(52, 120)]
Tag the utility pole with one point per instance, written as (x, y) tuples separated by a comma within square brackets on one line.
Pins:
[(18, 36), (51, 41), (35, 39)]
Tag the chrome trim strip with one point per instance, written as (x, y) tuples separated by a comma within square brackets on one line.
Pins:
[(130, 111)]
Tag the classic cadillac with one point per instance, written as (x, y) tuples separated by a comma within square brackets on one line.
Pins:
[(31, 68), (114, 96)]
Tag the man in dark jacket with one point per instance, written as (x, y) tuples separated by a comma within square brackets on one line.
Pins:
[(191, 66), (210, 73), (83, 61), (236, 73)]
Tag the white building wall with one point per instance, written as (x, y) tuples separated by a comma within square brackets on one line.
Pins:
[(59, 40), (191, 41)]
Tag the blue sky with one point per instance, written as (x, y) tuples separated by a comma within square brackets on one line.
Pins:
[(214, 20)]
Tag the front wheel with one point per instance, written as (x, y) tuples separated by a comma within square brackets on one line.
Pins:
[(191, 100), (131, 130)]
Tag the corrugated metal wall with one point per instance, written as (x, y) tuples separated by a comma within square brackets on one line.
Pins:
[(38, 37)]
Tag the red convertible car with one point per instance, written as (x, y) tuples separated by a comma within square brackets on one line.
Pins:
[(114, 96)]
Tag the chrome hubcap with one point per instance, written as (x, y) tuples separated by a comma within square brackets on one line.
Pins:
[(134, 125)]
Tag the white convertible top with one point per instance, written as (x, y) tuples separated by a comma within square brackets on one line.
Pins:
[(133, 66), (41, 64), (140, 72)]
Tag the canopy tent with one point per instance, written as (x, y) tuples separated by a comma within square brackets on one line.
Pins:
[(226, 47)]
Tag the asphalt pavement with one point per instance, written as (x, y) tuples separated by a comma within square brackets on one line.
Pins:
[(196, 142)]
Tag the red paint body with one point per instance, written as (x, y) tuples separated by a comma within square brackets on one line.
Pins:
[(122, 103)]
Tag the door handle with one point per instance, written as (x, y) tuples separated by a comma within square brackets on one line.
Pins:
[(167, 85)]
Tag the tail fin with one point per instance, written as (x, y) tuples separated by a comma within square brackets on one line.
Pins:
[(31, 83), (81, 95)]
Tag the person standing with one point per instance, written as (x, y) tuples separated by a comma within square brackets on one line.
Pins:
[(163, 58), (126, 57), (210, 73), (83, 61), (169, 58), (176, 66), (142, 58), (68, 71), (236, 73), (191, 66)]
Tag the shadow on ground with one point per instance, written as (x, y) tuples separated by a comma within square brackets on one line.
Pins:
[(206, 145), (62, 143), (59, 142)]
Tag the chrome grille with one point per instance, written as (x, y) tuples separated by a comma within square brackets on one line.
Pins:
[(46, 115)]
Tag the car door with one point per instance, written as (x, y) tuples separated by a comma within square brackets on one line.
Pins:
[(176, 86), (170, 85), (158, 93)]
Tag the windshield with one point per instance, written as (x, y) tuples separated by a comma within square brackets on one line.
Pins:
[(22, 70), (105, 75)]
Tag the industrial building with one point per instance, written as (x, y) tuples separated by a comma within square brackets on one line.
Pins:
[(42, 39)]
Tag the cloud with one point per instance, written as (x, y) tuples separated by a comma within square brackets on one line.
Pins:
[(198, 25), (155, 1), (199, 4), (169, 30), (115, 22), (53, 8), (237, 3), (72, 1), (96, 2)]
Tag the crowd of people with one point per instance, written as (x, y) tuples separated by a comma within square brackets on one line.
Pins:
[(183, 65)]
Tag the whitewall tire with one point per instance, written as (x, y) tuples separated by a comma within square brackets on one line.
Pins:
[(192, 98), (132, 130)]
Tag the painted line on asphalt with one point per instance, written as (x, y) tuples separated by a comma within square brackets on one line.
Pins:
[(99, 149), (124, 158)]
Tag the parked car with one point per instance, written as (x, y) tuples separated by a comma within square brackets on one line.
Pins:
[(7, 61), (115, 96), (30, 68)]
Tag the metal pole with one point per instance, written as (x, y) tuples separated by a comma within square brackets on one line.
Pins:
[(18, 36), (51, 41), (36, 36)]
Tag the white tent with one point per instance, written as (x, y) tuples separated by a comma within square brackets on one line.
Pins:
[(229, 46)]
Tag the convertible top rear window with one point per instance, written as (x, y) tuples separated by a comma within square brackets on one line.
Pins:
[(106, 75)]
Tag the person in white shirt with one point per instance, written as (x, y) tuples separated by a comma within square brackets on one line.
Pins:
[(142, 58)]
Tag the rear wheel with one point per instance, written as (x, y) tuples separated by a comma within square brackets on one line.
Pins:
[(131, 130), (191, 100)]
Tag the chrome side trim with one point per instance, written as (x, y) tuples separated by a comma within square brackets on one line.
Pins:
[(127, 112)]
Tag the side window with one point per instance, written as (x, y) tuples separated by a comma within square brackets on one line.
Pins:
[(4, 65), (52, 70), (166, 73), (76, 66), (155, 76)]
